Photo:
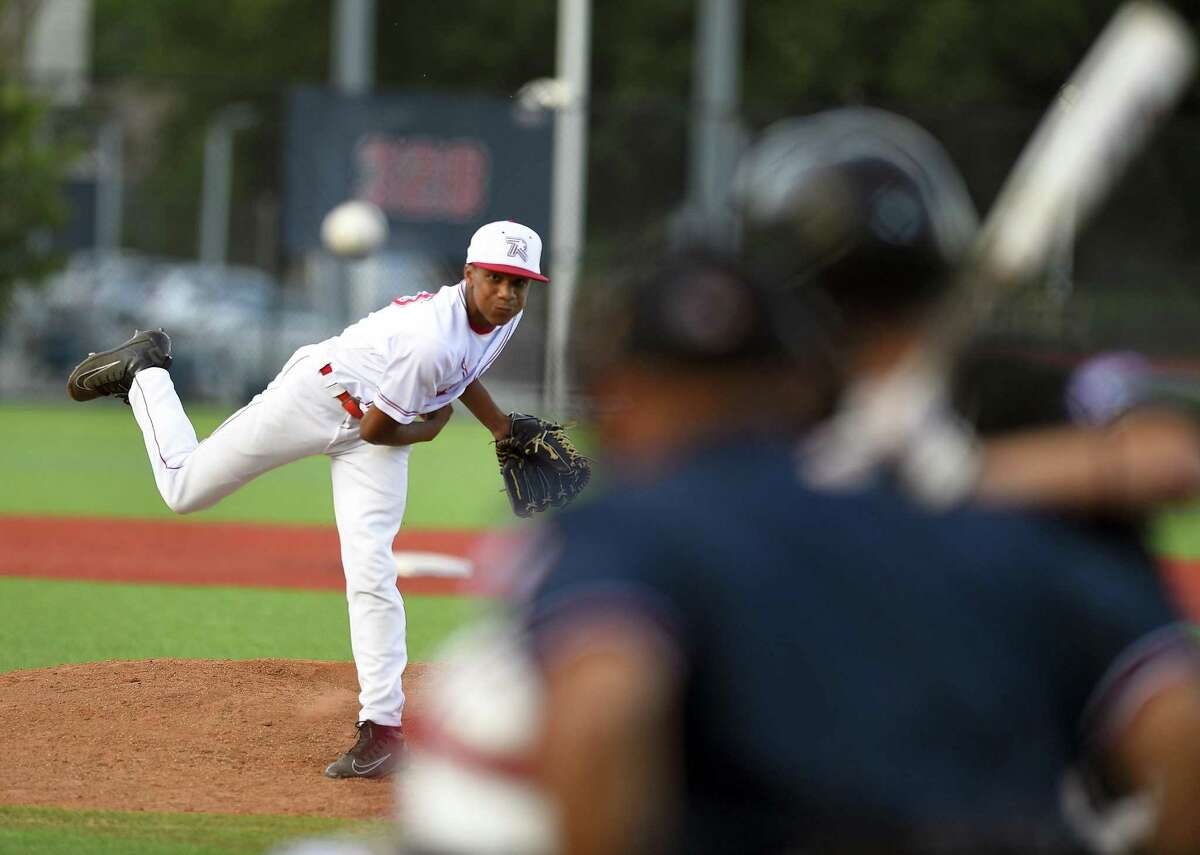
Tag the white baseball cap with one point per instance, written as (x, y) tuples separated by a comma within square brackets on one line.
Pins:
[(507, 247)]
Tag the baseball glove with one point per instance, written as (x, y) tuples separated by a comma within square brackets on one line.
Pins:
[(539, 465)]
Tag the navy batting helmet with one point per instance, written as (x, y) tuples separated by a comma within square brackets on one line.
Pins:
[(859, 203), (694, 308)]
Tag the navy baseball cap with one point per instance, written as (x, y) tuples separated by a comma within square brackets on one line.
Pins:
[(696, 308)]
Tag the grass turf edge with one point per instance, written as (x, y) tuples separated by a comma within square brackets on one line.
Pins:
[(49, 622), (49, 831)]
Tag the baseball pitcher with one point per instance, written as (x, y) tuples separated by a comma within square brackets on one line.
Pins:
[(362, 398)]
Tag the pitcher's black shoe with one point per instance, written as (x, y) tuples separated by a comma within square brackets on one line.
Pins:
[(110, 372), (376, 753)]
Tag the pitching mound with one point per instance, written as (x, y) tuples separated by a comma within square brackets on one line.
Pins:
[(186, 735)]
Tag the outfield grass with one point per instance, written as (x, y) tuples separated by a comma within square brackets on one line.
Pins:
[(51, 622), (1177, 533), (48, 831), (88, 460)]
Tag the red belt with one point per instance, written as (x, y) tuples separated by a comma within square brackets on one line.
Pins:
[(349, 404)]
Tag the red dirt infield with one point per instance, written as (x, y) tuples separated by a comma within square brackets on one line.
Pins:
[(1183, 578), (171, 552), (232, 737), (246, 737)]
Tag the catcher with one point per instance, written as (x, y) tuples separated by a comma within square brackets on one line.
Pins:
[(362, 398)]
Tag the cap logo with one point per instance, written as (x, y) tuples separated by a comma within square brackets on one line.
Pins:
[(517, 248)]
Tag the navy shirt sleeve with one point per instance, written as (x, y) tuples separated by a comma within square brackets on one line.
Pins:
[(598, 575)]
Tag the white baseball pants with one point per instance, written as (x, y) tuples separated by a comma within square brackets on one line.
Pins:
[(297, 416)]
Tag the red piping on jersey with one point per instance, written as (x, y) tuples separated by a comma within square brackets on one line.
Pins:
[(496, 351), (153, 429), (462, 294), (397, 407), (412, 298)]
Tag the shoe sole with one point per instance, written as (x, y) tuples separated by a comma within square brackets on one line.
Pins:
[(96, 362), (330, 772)]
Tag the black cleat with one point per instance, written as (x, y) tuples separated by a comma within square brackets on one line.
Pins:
[(110, 372), (377, 752)]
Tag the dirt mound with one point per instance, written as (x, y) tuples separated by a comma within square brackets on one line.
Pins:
[(186, 735)]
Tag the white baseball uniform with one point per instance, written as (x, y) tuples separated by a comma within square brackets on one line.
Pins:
[(412, 357)]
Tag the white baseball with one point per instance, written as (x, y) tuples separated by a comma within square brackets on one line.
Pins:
[(354, 229)]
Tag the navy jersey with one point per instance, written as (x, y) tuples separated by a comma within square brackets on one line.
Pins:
[(851, 661)]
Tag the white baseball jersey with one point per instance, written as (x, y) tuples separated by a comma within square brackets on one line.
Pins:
[(416, 355)]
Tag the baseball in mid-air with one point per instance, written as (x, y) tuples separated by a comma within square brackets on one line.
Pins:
[(354, 229)]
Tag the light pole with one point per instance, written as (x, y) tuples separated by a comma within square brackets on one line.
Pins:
[(218, 180), (109, 187), (716, 137), (353, 46), (568, 94)]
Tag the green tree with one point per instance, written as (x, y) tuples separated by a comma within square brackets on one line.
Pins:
[(956, 65), (31, 172), (192, 60)]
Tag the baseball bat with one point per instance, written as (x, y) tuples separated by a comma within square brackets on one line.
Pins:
[(1125, 86)]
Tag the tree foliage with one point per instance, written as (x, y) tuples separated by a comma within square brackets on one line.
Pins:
[(953, 58), (31, 172), (230, 45)]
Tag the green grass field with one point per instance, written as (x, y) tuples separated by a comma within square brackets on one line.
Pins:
[(52, 467), (47, 622), (1177, 533), (88, 460), (41, 831)]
